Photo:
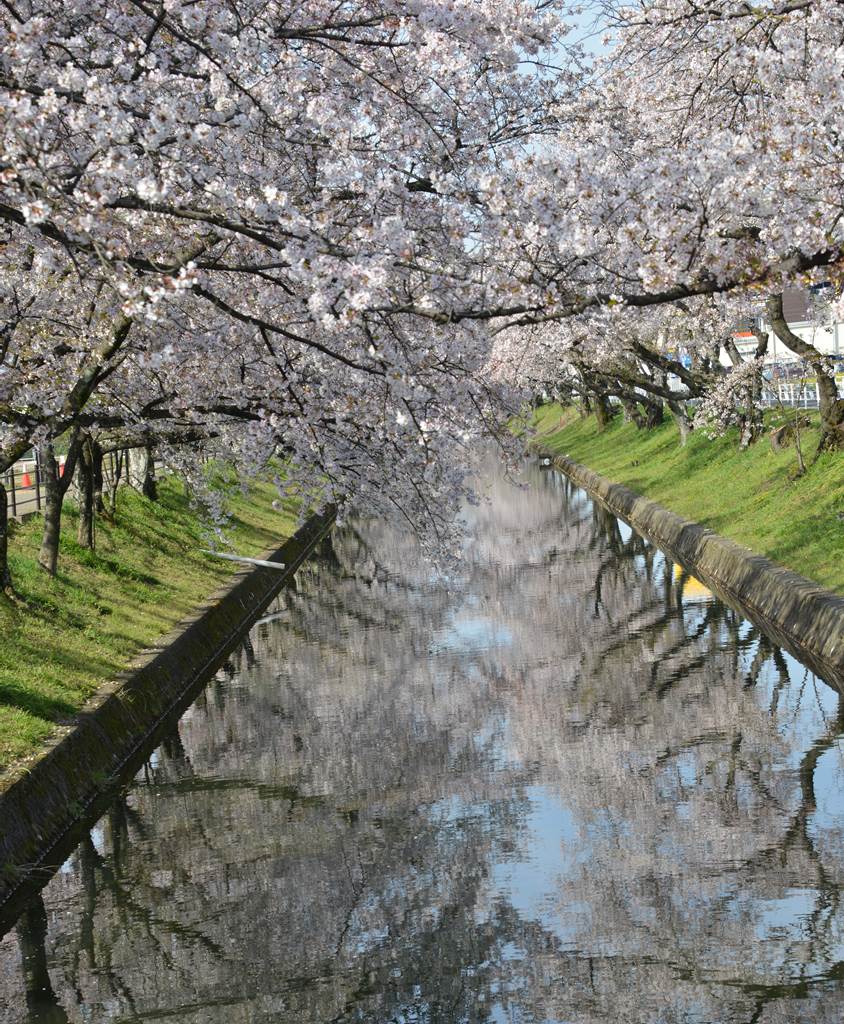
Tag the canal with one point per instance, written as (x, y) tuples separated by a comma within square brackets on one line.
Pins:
[(561, 784)]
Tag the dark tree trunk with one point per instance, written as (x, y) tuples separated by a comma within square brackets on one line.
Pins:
[(118, 461), (654, 413), (56, 485), (48, 556), (604, 411), (755, 416), (5, 575), (97, 474), (645, 412), (85, 534), (149, 488), (633, 413), (830, 406)]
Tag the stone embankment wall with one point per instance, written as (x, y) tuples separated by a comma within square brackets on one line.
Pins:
[(41, 804), (800, 615)]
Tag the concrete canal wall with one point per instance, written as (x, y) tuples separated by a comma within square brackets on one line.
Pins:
[(801, 616), (41, 804)]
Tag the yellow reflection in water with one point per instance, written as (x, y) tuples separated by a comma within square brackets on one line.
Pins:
[(693, 589)]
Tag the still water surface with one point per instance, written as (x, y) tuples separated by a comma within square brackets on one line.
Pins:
[(566, 785)]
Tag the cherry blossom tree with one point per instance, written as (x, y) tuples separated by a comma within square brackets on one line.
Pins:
[(700, 159), (306, 226), (262, 215)]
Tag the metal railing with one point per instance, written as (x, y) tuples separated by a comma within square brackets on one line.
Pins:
[(24, 488), (24, 482), (794, 395), (797, 394)]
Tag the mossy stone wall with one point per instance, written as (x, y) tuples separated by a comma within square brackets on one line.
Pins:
[(800, 615), (40, 804)]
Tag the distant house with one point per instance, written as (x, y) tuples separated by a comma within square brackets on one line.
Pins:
[(796, 306)]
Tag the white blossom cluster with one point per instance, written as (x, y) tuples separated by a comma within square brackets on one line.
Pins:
[(357, 233), (695, 173), (253, 221)]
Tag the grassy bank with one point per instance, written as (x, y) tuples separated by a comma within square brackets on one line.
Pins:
[(68, 635), (752, 497)]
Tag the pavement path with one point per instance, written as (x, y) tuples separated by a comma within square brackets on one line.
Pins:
[(25, 500)]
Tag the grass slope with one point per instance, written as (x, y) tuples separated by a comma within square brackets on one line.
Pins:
[(751, 497), (70, 634)]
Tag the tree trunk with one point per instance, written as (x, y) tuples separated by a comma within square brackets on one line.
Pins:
[(603, 410), (754, 397), (118, 462), (830, 406), (683, 421), (85, 534), (5, 575), (48, 556), (750, 420), (56, 485), (97, 475), (632, 413), (149, 488), (645, 412), (654, 413)]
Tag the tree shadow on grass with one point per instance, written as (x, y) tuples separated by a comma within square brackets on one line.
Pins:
[(29, 606), (148, 536), (810, 538), (102, 563), (262, 533), (35, 702)]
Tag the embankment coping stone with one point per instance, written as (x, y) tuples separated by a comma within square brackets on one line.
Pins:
[(802, 616), (44, 799)]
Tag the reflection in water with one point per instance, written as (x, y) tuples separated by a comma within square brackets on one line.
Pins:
[(565, 785), (32, 932)]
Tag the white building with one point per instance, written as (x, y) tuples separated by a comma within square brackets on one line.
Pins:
[(828, 339), (789, 380)]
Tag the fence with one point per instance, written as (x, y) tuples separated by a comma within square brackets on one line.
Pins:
[(793, 394), (798, 394), (24, 482), (24, 488)]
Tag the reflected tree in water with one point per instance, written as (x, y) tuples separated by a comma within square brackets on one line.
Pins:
[(329, 834)]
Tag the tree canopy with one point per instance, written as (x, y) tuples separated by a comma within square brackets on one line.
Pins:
[(359, 232)]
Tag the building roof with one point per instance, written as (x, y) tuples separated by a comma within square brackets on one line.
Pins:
[(795, 305)]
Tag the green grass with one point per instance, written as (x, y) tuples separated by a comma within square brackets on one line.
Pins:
[(66, 636), (752, 497)]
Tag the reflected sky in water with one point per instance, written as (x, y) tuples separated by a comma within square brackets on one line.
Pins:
[(564, 785)]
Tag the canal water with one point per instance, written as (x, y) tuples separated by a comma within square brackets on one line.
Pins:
[(563, 785)]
